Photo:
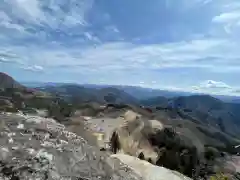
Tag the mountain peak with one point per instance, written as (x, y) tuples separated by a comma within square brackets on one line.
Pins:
[(7, 81)]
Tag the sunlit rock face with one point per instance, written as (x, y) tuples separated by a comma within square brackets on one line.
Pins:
[(39, 148), (131, 137), (149, 171), (160, 145)]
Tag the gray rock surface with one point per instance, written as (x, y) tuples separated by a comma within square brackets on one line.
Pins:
[(37, 148), (149, 171)]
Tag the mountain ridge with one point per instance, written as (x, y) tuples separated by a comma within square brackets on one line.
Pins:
[(204, 108), (7, 81), (208, 109), (141, 93), (206, 120), (86, 94)]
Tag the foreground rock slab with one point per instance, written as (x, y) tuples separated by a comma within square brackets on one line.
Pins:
[(148, 171), (38, 148)]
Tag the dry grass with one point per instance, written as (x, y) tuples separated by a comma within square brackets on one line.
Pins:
[(133, 140)]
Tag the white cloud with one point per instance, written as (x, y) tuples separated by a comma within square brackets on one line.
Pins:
[(227, 17), (34, 68), (58, 35), (215, 87), (213, 55), (27, 10), (5, 21), (7, 56), (214, 84), (230, 20), (32, 8), (34, 11), (4, 60), (113, 29)]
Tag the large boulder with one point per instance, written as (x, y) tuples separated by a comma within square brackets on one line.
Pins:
[(155, 125), (131, 137), (131, 115)]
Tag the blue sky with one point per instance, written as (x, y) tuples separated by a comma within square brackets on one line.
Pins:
[(189, 45)]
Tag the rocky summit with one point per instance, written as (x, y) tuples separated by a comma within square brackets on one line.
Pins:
[(37, 148), (94, 133), (40, 148)]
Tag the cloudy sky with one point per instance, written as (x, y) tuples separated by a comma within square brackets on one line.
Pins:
[(190, 45)]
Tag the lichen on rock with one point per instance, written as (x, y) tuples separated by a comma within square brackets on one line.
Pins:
[(50, 152)]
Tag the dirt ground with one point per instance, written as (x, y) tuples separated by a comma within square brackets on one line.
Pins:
[(87, 127)]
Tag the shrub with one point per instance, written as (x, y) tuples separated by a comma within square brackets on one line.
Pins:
[(60, 110), (211, 153), (219, 176)]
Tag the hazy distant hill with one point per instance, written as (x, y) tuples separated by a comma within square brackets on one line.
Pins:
[(7, 81), (139, 93), (15, 96), (86, 94), (155, 101), (135, 91), (224, 115), (207, 109)]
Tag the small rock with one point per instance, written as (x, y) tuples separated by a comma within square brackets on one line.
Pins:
[(4, 153), (10, 140), (20, 126)]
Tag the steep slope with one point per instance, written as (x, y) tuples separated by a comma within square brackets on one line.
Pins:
[(207, 110), (80, 94), (194, 127), (156, 101), (225, 116), (7, 81), (149, 171), (40, 148), (203, 103), (15, 96), (75, 92), (114, 95)]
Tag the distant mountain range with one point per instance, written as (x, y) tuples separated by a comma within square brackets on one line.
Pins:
[(221, 112), (139, 93), (207, 109), (81, 93), (206, 124)]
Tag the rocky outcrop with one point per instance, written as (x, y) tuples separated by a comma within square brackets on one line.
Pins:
[(7, 81), (132, 137), (131, 116), (5, 103), (148, 171), (41, 149), (160, 145)]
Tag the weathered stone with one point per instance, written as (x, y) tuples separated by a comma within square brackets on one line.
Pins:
[(148, 171), (131, 115), (36, 155)]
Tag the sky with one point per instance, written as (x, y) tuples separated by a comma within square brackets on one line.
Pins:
[(188, 45)]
